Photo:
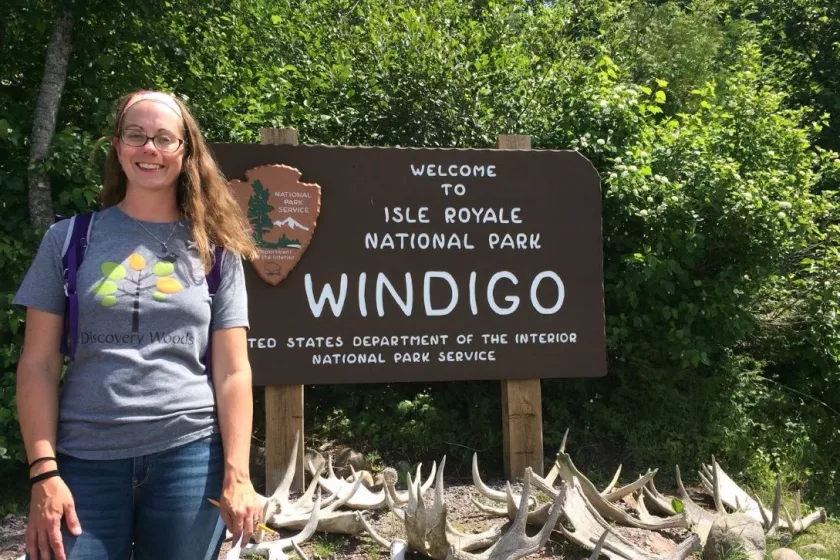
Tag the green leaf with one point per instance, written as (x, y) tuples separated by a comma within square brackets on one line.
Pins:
[(105, 288), (660, 96), (163, 268), (677, 504), (113, 271)]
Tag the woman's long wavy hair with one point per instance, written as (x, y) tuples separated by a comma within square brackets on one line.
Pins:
[(204, 197)]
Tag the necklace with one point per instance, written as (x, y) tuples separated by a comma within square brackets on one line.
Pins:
[(167, 254)]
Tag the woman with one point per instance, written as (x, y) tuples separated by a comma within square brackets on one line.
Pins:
[(125, 461)]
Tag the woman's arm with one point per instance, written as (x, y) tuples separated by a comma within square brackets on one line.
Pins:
[(38, 373), (39, 369), (240, 507)]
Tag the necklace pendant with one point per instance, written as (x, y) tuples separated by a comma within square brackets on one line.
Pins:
[(168, 256)]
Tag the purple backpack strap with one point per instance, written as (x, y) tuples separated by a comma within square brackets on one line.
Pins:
[(73, 253), (214, 278)]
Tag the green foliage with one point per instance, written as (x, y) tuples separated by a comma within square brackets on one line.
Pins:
[(704, 119), (799, 39)]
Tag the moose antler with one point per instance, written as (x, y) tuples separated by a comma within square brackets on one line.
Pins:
[(515, 543), (363, 498), (429, 532), (731, 495), (610, 493), (589, 527), (727, 494), (700, 520), (567, 471), (275, 550), (280, 512), (601, 501), (486, 491)]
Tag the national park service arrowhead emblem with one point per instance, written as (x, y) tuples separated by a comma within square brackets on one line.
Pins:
[(283, 213)]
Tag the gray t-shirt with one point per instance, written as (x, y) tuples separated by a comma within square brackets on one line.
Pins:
[(138, 383)]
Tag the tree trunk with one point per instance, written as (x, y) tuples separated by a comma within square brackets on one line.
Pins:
[(46, 112)]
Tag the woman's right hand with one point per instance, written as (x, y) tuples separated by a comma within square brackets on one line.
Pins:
[(51, 500)]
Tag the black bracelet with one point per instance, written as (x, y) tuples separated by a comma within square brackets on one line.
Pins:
[(43, 476), (39, 459)]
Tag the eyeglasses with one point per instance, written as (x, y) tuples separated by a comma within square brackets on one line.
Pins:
[(164, 142)]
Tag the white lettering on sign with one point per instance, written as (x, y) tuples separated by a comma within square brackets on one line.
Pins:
[(262, 342), (334, 359), (546, 338), (459, 189), (314, 342), (470, 215), (418, 241), (467, 356), (519, 241), (290, 194), (450, 285), (561, 295), (427, 293), (495, 338), (400, 340), (412, 358), (327, 295), (453, 170), (405, 304), (407, 215)]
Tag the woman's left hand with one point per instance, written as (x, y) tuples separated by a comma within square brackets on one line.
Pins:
[(240, 508)]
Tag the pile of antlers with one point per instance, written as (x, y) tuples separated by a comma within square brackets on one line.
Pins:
[(572, 507)]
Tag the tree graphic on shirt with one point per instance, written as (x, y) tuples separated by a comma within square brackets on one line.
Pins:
[(115, 275)]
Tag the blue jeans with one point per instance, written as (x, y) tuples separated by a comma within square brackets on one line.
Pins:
[(154, 506)]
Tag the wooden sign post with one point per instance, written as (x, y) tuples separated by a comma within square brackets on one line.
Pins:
[(387, 265), (283, 403), (522, 427)]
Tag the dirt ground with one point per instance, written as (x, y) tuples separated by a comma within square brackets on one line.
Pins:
[(12, 528), (464, 515)]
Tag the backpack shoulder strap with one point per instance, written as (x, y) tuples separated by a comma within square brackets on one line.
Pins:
[(72, 255), (214, 278)]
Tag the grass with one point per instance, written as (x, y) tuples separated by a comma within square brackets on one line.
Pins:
[(734, 553), (826, 534), (325, 546), (371, 550)]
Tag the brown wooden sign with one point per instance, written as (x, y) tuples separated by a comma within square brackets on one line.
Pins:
[(427, 264)]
